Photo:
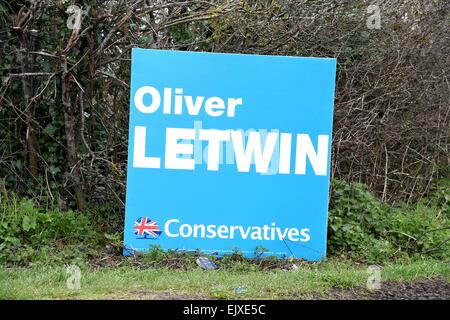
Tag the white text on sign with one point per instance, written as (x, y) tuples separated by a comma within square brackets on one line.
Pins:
[(256, 148)]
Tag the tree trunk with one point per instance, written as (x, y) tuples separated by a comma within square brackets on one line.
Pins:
[(31, 140), (70, 128)]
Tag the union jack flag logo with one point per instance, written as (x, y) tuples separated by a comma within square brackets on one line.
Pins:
[(146, 228)]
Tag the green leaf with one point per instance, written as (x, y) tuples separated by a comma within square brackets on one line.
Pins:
[(347, 227), (26, 205), (12, 240), (28, 223)]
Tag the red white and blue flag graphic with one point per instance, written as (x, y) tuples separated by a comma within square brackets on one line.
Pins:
[(146, 228)]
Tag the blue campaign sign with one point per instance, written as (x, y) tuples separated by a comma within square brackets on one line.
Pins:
[(229, 151)]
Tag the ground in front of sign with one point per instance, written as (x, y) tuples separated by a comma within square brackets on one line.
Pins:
[(431, 289), (332, 279)]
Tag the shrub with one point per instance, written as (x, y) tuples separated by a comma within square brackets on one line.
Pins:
[(29, 234), (362, 227), (420, 230), (440, 197)]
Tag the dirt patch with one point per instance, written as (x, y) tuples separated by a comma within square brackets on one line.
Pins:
[(436, 289), (420, 290)]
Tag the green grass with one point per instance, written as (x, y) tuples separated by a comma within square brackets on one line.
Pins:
[(311, 280)]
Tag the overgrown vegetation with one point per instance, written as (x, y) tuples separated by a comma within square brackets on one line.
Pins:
[(64, 96), (30, 234), (361, 227)]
